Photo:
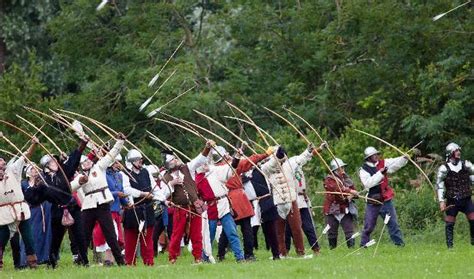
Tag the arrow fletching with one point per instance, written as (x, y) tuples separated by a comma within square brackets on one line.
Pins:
[(370, 243), (357, 234), (326, 229), (145, 104), (141, 226), (154, 112), (387, 218), (435, 18), (102, 5), (153, 80)]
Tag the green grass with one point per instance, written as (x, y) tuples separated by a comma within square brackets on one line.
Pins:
[(418, 259)]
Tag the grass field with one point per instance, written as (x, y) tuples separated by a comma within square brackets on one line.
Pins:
[(418, 259)]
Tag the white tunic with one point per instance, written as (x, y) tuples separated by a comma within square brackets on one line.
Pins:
[(217, 177), (97, 180), (11, 193), (284, 184)]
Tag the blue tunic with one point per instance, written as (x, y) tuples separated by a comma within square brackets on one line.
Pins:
[(41, 228)]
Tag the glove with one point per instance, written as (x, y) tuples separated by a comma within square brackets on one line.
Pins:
[(384, 171), (323, 145), (310, 148), (210, 143), (121, 136), (270, 150), (83, 180)]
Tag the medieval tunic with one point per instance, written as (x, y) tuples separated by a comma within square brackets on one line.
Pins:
[(184, 196), (97, 200), (239, 200), (41, 226), (285, 184), (14, 211), (376, 182), (336, 208), (217, 177), (140, 182), (13, 207), (241, 205), (285, 197)]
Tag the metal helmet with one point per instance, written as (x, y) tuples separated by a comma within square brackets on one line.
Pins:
[(218, 154), (168, 159), (134, 155), (450, 148), (28, 169), (45, 160), (337, 163), (369, 151), (118, 158)]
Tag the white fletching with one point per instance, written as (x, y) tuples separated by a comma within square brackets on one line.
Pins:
[(143, 106), (326, 229), (102, 5), (387, 218), (154, 112), (453, 9), (77, 127), (141, 226), (438, 16), (153, 80), (370, 243), (355, 235)]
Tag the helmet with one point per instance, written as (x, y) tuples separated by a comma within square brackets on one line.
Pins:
[(450, 148), (369, 151), (218, 154), (28, 169), (45, 160), (117, 158), (83, 159), (133, 155), (337, 163), (168, 156)]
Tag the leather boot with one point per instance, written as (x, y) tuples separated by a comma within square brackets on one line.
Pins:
[(332, 243), (350, 243), (32, 261), (449, 234)]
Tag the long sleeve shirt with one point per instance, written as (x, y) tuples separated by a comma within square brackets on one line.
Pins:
[(285, 184), (115, 183), (12, 204), (96, 190), (159, 192), (393, 165)]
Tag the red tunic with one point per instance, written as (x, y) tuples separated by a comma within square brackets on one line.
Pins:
[(206, 193), (385, 189), (335, 203), (238, 199)]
